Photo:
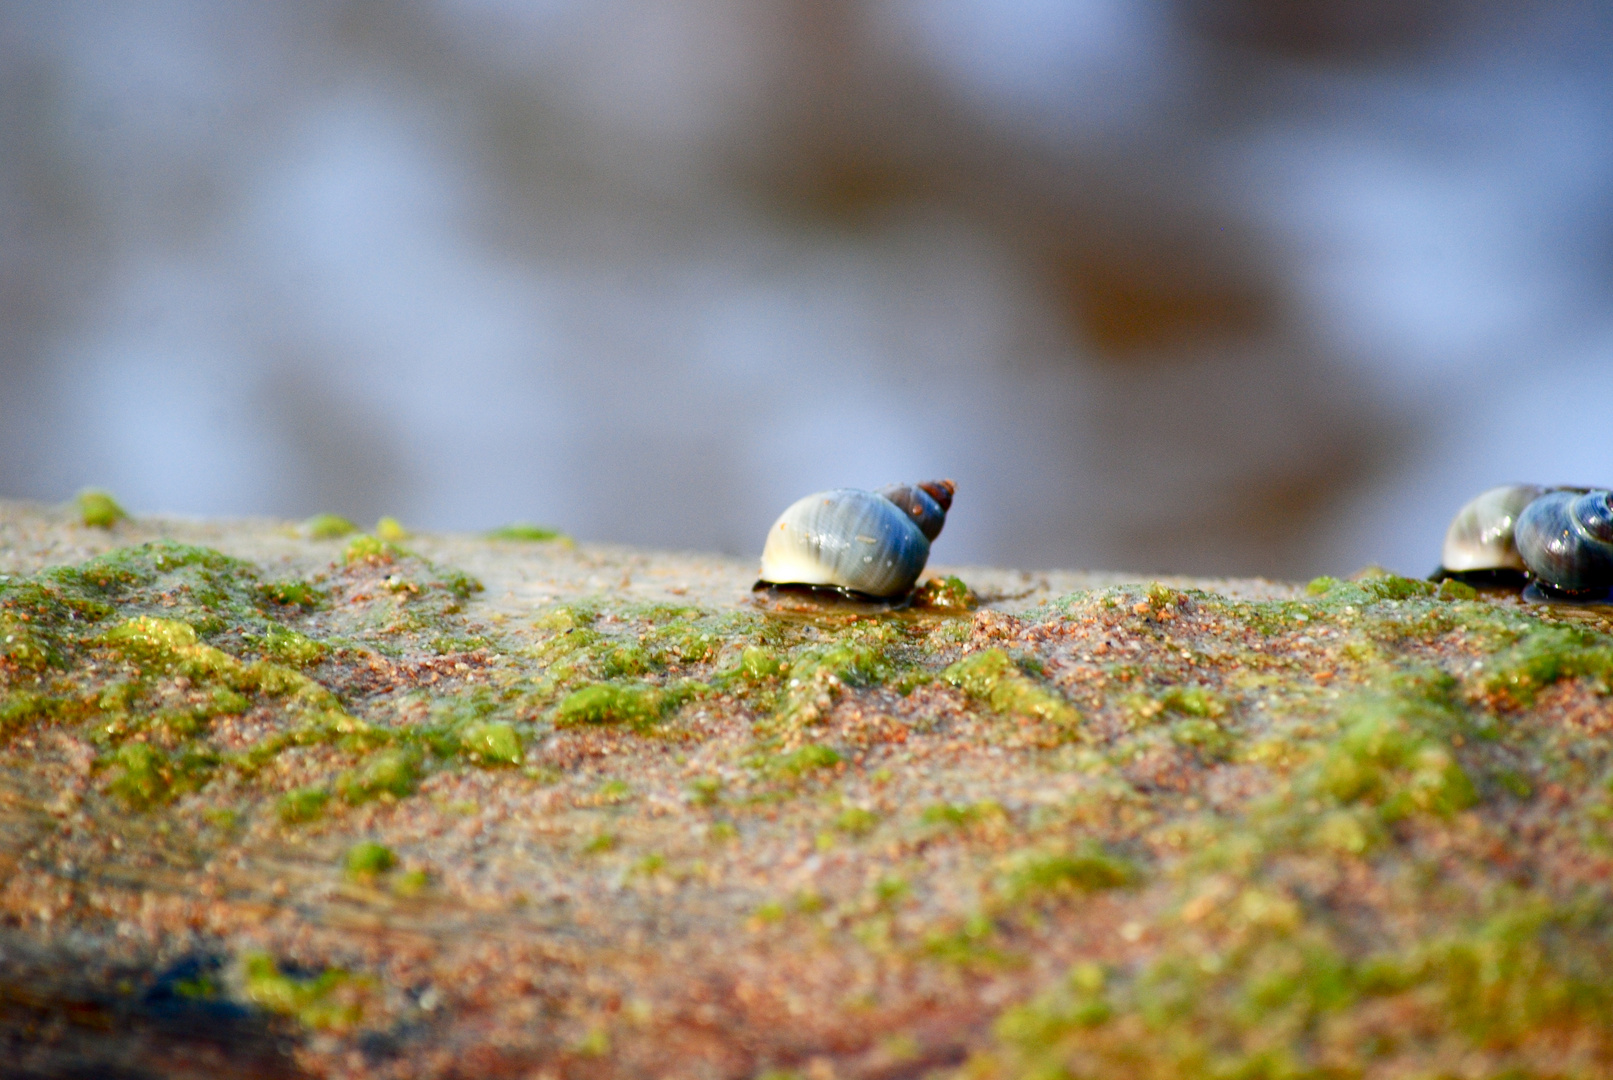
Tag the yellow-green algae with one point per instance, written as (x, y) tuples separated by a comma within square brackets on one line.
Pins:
[(319, 1001), (327, 527), (99, 509), (390, 530), (524, 531), (367, 859), (992, 676)]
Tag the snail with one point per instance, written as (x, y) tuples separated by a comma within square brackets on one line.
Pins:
[(1566, 540), (869, 543), (1559, 538), (1479, 543)]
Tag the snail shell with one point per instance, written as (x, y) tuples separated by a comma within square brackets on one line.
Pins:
[(1480, 537), (869, 542), (1566, 540)]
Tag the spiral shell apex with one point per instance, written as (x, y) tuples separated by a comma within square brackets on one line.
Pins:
[(875, 543), (1566, 540)]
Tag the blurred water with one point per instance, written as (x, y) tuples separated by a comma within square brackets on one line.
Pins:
[(1203, 287)]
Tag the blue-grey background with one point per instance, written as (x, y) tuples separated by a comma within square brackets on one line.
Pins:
[(1244, 286)]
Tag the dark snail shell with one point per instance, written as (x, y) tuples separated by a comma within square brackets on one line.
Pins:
[(1480, 538), (927, 503), (874, 543), (1566, 540)]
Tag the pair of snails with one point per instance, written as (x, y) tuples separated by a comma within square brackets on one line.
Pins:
[(862, 543), (1560, 538), (875, 543)]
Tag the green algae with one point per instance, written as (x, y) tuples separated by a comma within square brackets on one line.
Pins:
[(170, 647), (391, 773), (316, 1001), (144, 776), (945, 594), (614, 793), (302, 805), (470, 726), (704, 791), (98, 509), (525, 532), (494, 743), (856, 821), (1390, 755), (991, 676), (56, 613), (390, 530), (972, 945), (286, 646), (1264, 981), (819, 673), (963, 815), (758, 663), (633, 704), (367, 860), (24, 708), (803, 760), (327, 527), (566, 617), (365, 548), (294, 593), (1278, 1000), (1544, 655), (1031, 875)]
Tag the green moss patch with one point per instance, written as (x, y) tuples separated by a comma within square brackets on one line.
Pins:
[(1035, 874), (327, 527), (992, 677), (144, 776), (526, 533), (1390, 755), (1544, 655), (98, 509), (302, 805), (332, 999), (365, 861), (635, 704), (495, 743)]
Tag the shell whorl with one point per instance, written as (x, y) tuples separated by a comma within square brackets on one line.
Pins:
[(870, 542), (1480, 537), (927, 503), (1566, 539)]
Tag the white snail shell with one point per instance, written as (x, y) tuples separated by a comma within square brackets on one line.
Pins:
[(1481, 535), (869, 542)]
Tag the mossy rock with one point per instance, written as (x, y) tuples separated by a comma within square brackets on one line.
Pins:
[(376, 809)]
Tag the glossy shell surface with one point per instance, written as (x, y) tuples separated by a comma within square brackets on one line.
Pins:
[(927, 504), (846, 538), (1481, 535), (1566, 539)]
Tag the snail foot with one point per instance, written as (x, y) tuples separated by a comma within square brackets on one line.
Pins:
[(1538, 592), (1498, 578), (833, 596)]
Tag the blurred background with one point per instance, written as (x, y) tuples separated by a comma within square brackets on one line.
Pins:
[(1210, 286)]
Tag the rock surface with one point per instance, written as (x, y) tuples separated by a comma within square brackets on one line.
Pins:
[(456, 806)]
